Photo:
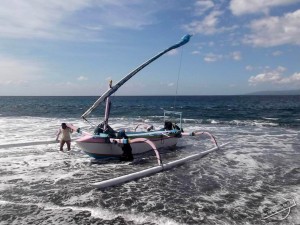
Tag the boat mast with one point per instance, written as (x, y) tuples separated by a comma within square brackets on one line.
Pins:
[(114, 88), (107, 107)]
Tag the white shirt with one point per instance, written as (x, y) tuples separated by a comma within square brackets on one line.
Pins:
[(66, 134)]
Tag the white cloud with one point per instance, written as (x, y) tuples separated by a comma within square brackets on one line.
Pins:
[(173, 52), (209, 25), (170, 84), (275, 77), (201, 6), (240, 7), (264, 77), (195, 52), (236, 55), (212, 57), (274, 31), (56, 19), (130, 14), (16, 71), (277, 53), (295, 78), (81, 78), (249, 68), (206, 26), (36, 18)]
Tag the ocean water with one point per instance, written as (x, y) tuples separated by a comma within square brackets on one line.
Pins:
[(258, 170)]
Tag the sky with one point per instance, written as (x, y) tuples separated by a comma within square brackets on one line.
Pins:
[(73, 48)]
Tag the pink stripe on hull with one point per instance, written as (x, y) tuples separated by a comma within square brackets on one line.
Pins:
[(91, 139)]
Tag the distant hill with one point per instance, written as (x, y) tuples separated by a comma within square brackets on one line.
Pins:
[(290, 92)]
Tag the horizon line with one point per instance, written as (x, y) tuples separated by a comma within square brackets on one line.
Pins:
[(248, 94)]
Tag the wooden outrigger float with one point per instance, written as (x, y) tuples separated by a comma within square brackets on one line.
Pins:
[(148, 172)]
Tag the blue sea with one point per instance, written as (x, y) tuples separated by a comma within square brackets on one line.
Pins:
[(242, 183)]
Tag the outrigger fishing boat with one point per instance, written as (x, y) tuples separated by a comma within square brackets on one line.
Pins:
[(123, 143), (107, 142)]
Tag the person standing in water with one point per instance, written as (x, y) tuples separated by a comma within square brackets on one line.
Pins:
[(65, 132)]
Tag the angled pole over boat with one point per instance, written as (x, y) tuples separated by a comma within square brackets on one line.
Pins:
[(107, 107), (114, 88)]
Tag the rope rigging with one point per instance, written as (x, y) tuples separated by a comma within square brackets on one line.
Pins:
[(178, 76)]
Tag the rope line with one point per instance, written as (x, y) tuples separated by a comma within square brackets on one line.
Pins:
[(178, 75)]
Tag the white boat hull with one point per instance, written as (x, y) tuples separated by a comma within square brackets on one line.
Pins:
[(95, 147)]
